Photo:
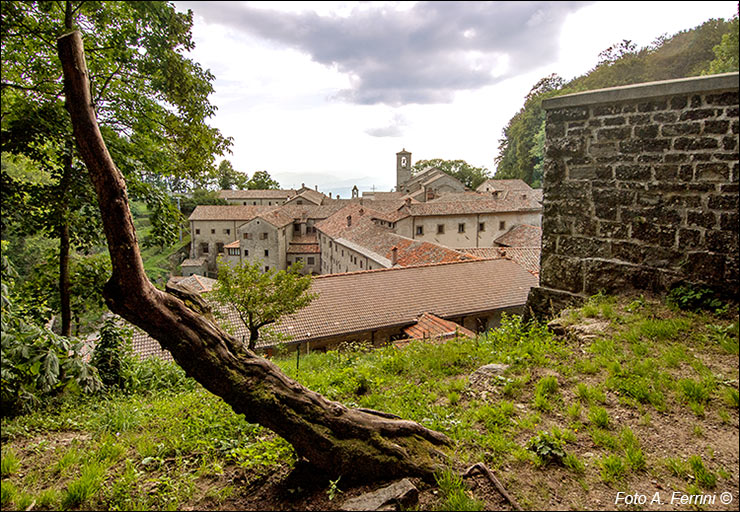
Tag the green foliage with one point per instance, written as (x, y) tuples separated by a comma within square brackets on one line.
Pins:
[(84, 487), (333, 491), (725, 336), (687, 53), (598, 417), (37, 363), (111, 351), (704, 477), (732, 397), (261, 180), (726, 52), (690, 297), (229, 178), (9, 463), (612, 468), (261, 298), (547, 447), (470, 176), (454, 492)]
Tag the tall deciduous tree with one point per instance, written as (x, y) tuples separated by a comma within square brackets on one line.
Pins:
[(261, 180), (152, 101), (468, 175), (229, 178), (354, 443), (261, 298)]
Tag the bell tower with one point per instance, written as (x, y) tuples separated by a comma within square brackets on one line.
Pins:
[(403, 169)]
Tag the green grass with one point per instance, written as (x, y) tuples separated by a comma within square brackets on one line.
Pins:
[(169, 443), (9, 462)]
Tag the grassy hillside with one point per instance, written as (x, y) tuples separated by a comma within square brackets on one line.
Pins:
[(634, 397)]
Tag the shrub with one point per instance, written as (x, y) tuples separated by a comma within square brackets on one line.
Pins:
[(689, 297), (111, 353), (547, 447)]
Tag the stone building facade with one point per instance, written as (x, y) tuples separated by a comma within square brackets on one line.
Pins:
[(640, 190)]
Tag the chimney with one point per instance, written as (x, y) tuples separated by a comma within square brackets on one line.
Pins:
[(329, 195), (362, 211), (349, 220), (408, 201), (303, 185), (316, 187), (394, 256)]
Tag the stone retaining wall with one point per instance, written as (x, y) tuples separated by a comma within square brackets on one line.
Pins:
[(640, 190)]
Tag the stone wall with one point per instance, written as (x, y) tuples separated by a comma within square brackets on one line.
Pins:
[(640, 190)]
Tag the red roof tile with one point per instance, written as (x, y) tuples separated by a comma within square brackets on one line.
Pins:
[(522, 235)]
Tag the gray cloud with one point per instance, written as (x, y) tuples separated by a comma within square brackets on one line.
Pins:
[(421, 55)]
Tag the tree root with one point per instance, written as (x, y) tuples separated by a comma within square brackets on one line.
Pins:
[(495, 481)]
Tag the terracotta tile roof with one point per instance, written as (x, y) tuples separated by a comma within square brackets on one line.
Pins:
[(431, 326), (195, 262), (256, 194), (527, 257), (515, 184), (198, 283), (361, 301), (228, 212), (314, 196), (366, 237), (145, 346), (232, 245), (522, 235), (510, 203), (278, 217), (303, 249)]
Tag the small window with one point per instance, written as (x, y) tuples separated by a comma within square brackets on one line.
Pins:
[(360, 264), (440, 229), (342, 253), (311, 260), (244, 203), (254, 202), (481, 226), (267, 252), (227, 231), (247, 236), (299, 202), (263, 236), (419, 230), (197, 231), (299, 258), (220, 247), (204, 248), (213, 231), (461, 227), (246, 252), (502, 225)]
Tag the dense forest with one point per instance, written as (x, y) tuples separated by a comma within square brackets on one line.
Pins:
[(710, 48)]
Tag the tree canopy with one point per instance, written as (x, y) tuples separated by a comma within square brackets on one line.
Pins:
[(151, 102), (708, 48), (470, 176), (261, 297), (261, 180)]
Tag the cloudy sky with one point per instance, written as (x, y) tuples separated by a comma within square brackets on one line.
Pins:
[(326, 93)]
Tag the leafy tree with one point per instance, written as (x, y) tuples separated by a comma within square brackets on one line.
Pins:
[(151, 101), (261, 298), (229, 178), (687, 53), (112, 351), (37, 364), (726, 52), (360, 443), (261, 180), (468, 175)]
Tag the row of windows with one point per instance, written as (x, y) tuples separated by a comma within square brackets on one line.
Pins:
[(460, 228), (310, 260)]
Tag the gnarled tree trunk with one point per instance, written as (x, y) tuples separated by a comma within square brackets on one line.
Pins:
[(336, 439)]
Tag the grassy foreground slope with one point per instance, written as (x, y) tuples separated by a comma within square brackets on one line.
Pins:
[(633, 397)]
